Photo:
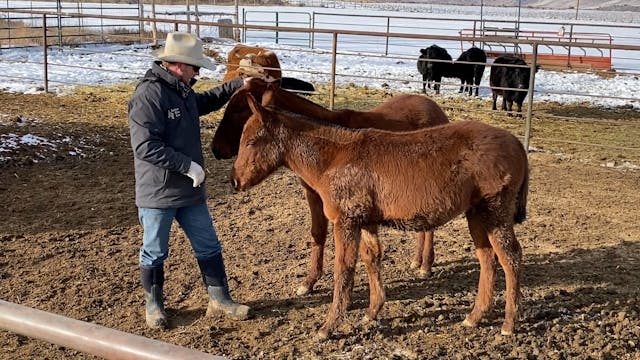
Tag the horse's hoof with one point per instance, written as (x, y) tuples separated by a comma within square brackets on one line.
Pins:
[(469, 323), (423, 274), (366, 320), (302, 290), (322, 335), (506, 332)]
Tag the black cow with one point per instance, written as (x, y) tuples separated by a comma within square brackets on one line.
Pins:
[(433, 71), (509, 77), (295, 84), (469, 74)]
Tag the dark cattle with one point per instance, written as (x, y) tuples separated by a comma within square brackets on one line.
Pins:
[(433, 71), (470, 75), (509, 77), (298, 85)]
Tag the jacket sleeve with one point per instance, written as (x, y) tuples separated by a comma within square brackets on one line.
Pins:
[(215, 98), (147, 129)]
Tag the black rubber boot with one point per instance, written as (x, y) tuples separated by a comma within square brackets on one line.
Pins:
[(214, 277), (152, 278)]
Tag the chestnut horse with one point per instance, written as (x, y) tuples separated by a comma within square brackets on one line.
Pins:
[(263, 59), (415, 180), (403, 112)]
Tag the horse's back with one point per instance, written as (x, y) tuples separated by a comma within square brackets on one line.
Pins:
[(469, 162), (487, 154), (411, 111)]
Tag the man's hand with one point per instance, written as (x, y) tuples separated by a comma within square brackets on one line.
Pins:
[(267, 79), (248, 69), (195, 173)]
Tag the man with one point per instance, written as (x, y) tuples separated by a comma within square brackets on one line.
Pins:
[(165, 137)]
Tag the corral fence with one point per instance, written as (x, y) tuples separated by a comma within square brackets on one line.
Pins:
[(324, 38), (566, 55)]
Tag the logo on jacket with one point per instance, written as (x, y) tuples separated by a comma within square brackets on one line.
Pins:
[(174, 113)]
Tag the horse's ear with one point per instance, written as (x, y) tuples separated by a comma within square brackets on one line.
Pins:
[(256, 108)]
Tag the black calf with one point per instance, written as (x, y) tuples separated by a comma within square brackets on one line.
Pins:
[(470, 75), (515, 78)]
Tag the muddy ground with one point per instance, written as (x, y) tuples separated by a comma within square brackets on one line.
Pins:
[(69, 240)]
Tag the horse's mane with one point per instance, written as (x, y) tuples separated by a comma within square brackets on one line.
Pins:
[(314, 127)]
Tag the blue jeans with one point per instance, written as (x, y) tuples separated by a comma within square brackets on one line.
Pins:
[(197, 223)]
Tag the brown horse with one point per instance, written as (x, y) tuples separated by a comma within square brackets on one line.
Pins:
[(416, 180), (403, 112), (264, 60)]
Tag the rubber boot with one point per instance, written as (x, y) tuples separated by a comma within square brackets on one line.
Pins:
[(214, 277), (152, 278)]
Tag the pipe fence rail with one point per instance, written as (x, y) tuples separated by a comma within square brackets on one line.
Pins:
[(90, 338)]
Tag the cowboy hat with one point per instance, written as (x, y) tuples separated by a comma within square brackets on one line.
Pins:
[(183, 48)]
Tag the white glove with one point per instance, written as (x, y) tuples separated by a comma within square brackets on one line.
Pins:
[(195, 173), (267, 79)]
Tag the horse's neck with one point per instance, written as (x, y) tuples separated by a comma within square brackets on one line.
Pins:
[(310, 149)]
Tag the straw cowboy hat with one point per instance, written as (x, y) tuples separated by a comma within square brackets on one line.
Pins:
[(183, 48)]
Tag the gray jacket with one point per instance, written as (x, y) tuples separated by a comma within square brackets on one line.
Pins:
[(164, 123)]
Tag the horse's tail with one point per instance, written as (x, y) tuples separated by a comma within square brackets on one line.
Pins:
[(521, 205)]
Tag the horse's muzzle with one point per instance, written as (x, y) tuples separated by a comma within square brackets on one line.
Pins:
[(235, 184)]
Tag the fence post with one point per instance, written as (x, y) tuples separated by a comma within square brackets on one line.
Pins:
[(45, 61), (332, 88), (532, 81), (313, 26), (386, 46), (244, 27), (59, 10), (277, 25), (141, 22)]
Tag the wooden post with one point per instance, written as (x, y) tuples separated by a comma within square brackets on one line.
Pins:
[(532, 82), (332, 89), (45, 60)]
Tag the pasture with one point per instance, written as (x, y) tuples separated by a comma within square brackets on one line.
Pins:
[(69, 242)]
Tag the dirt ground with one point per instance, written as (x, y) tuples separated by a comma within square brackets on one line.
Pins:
[(69, 240)]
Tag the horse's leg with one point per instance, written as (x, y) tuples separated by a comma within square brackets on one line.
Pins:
[(371, 254), (424, 255), (346, 235), (486, 257), (509, 252), (495, 98), (428, 255), (319, 224), (417, 255)]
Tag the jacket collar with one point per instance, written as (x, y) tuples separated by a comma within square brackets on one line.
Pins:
[(158, 72)]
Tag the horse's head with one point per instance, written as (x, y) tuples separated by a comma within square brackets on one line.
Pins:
[(227, 137), (259, 153)]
